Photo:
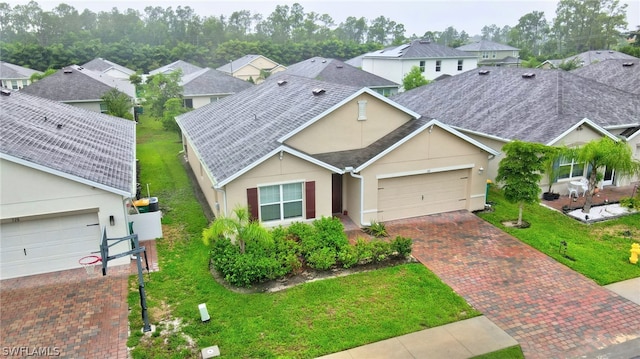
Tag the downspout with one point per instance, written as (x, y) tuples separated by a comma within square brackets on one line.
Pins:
[(361, 178)]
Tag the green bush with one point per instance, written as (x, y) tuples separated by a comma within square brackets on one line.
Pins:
[(322, 259), (330, 233), (376, 229), (348, 256), (364, 251), (401, 246), (630, 202), (381, 250)]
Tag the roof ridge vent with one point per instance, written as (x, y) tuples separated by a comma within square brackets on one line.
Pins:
[(484, 72), (627, 64), (611, 51), (528, 75), (318, 91), (313, 60), (597, 52), (424, 42), (67, 71), (324, 61), (339, 66), (282, 82), (5, 92)]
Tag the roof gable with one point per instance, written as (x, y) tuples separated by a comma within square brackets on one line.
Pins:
[(501, 103), (101, 65), (623, 74), (419, 49), (61, 139), (11, 71), (246, 60), (185, 67), (212, 82)]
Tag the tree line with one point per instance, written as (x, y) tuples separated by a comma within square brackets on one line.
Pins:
[(144, 40)]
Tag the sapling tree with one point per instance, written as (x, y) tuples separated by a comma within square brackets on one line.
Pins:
[(520, 172), (600, 155)]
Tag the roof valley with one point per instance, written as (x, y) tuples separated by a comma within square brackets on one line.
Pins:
[(559, 89)]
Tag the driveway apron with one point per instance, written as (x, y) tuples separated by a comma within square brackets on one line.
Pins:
[(552, 311)]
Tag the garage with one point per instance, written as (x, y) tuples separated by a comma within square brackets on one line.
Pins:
[(53, 243), (422, 194)]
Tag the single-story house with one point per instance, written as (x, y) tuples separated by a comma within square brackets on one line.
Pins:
[(491, 53), (66, 175), (74, 85), (109, 68), (433, 60), (295, 149), (552, 107), (252, 68), (15, 77), (621, 74), (208, 85), (336, 71)]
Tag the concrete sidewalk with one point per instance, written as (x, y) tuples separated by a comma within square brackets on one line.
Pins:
[(459, 340)]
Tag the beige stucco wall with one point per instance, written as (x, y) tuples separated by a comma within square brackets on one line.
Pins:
[(27, 192), (91, 106), (214, 198), (341, 130), (435, 151)]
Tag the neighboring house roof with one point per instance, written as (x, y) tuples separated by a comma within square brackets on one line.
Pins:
[(621, 74), (336, 71), (68, 141), (211, 82), (506, 103), (554, 64), (509, 60), (237, 64), (77, 84), (419, 49), (486, 45), (356, 61), (589, 57), (101, 65), (238, 132), (11, 71), (186, 68)]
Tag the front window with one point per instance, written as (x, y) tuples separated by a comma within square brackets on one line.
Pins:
[(280, 202), (460, 65), (188, 102), (438, 65), (14, 84), (422, 65), (485, 55), (103, 108), (569, 168)]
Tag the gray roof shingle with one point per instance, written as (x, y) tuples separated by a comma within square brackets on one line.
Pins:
[(101, 65), (419, 49), (503, 104), (75, 83), (186, 68), (336, 71), (486, 45), (589, 57), (621, 74), (235, 132), (11, 71), (240, 63), (212, 82), (81, 143)]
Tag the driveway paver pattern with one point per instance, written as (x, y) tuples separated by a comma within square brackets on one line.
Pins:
[(552, 311)]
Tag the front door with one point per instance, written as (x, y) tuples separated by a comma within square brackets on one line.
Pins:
[(336, 193), (607, 180)]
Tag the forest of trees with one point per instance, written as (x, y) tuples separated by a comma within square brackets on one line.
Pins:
[(39, 39)]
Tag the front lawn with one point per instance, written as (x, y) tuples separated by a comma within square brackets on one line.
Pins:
[(599, 251), (302, 322)]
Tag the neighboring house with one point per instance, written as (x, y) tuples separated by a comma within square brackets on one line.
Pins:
[(208, 85), (588, 58), (109, 68), (621, 74), (252, 68), (296, 149), (80, 87), (65, 175), (491, 53), (185, 67), (433, 60), (336, 71), (552, 107), (15, 77)]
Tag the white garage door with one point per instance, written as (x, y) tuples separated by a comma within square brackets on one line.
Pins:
[(419, 195), (47, 245)]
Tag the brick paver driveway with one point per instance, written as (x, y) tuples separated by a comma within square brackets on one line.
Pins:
[(67, 314), (552, 311)]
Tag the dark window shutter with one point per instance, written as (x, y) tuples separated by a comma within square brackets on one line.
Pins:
[(252, 201), (310, 199)]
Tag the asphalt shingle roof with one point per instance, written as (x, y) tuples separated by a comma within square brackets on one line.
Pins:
[(615, 73), (336, 71), (186, 68), (503, 104), (212, 82), (101, 65), (239, 63), (419, 49), (11, 71), (236, 131), (75, 83), (589, 57), (486, 45), (75, 141)]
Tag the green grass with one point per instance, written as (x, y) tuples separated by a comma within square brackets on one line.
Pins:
[(302, 322), (600, 250), (508, 353)]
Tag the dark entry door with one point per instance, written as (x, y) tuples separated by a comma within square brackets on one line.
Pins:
[(336, 193)]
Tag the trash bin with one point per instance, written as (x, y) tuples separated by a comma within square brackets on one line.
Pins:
[(153, 204), (142, 205)]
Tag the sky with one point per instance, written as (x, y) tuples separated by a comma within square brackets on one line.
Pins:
[(417, 16)]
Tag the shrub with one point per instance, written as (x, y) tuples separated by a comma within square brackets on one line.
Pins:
[(330, 233), (364, 251), (401, 246), (376, 229), (630, 202), (348, 256), (381, 250), (322, 259)]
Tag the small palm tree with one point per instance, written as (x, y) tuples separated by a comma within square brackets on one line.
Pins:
[(239, 229)]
